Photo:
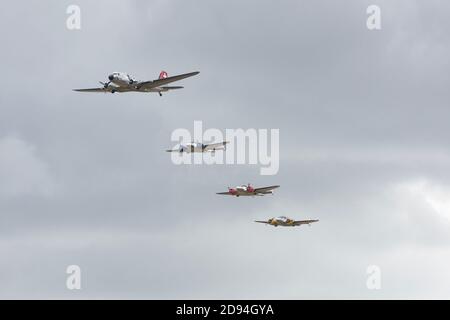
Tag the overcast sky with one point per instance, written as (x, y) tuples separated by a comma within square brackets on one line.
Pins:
[(364, 147)]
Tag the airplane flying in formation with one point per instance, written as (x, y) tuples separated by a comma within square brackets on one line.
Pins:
[(200, 147), (122, 82), (248, 190), (286, 222)]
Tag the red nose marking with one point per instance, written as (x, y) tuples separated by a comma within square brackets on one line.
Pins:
[(232, 191)]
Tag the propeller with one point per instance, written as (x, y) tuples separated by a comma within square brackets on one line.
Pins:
[(105, 84)]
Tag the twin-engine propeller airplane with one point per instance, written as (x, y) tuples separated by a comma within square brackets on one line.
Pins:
[(286, 222), (122, 82), (248, 190), (200, 147)]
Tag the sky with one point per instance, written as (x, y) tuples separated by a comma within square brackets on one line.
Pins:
[(364, 147)]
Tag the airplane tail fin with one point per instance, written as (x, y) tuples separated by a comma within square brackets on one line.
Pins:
[(163, 75)]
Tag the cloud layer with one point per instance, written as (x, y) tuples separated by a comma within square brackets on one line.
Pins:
[(364, 136)]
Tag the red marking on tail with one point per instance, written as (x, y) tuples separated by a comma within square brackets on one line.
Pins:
[(163, 75)]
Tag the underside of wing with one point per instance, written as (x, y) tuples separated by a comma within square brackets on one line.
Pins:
[(224, 193), (91, 90), (161, 82), (300, 222), (107, 89), (212, 146), (265, 189)]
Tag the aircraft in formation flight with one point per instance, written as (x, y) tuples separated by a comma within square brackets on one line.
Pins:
[(200, 147), (286, 222), (248, 190), (122, 82)]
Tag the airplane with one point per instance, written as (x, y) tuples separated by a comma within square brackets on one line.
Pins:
[(248, 190), (122, 82), (200, 147), (286, 222)]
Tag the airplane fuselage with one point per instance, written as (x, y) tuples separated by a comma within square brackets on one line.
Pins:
[(120, 79), (287, 222), (124, 82), (282, 221), (197, 147), (192, 147), (246, 191)]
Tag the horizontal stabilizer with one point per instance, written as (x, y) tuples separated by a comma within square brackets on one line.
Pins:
[(172, 87)]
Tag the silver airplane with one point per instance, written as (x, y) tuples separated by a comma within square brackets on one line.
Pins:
[(286, 222), (200, 147), (248, 190), (122, 82)]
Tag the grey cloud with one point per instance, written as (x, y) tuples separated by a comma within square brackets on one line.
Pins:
[(362, 118)]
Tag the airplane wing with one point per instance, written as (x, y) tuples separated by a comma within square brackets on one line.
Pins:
[(224, 193), (109, 89), (261, 221), (91, 90), (160, 82), (212, 146), (300, 222), (265, 189)]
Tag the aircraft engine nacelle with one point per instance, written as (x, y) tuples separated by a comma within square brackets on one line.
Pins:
[(183, 149)]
